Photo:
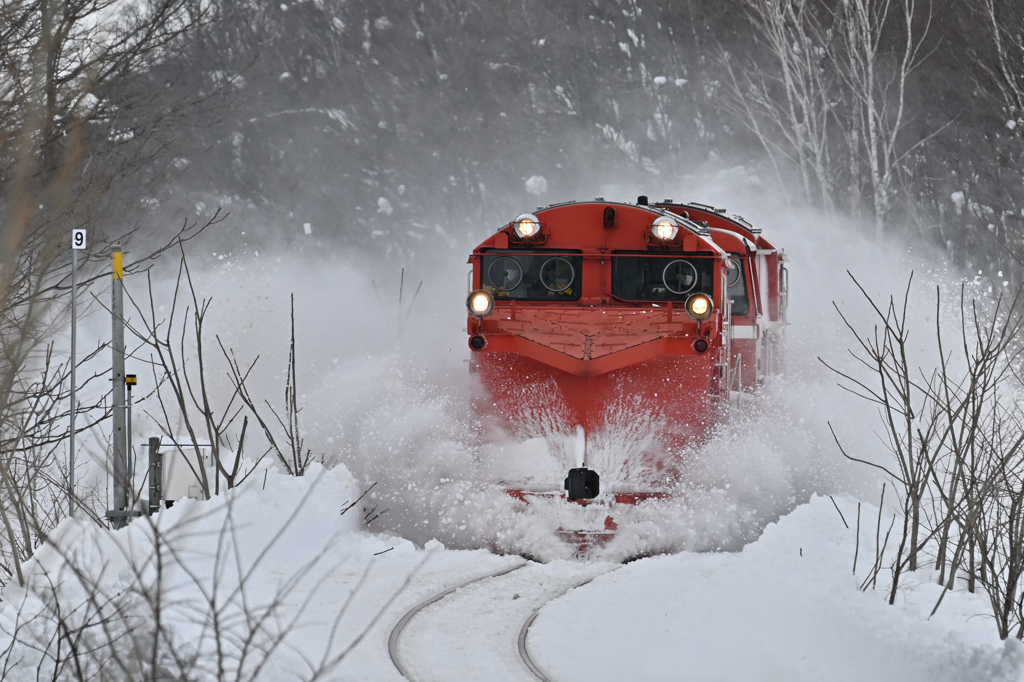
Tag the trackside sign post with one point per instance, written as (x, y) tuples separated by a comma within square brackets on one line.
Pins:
[(120, 514), (78, 243)]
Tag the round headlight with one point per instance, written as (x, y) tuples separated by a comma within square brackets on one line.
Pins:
[(527, 225), (664, 229), (699, 307), (480, 303)]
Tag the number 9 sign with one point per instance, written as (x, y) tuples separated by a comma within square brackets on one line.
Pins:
[(77, 239)]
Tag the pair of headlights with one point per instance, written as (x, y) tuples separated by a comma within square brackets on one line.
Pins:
[(527, 226), (481, 304)]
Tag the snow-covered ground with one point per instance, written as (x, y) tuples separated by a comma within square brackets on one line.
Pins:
[(786, 607)]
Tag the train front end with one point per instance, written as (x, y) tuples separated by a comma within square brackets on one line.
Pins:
[(599, 333)]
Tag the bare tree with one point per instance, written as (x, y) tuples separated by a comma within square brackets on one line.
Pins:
[(980, 488), (910, 439), (789, 110), (69, 133), (179, 365), (956, 437), (832, 99), (177, 611), (288, 445), (1007, 71), (877, 86)]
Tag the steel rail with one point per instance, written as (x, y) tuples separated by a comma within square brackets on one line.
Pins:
[(523, 653), (525, 630), (396, 633)]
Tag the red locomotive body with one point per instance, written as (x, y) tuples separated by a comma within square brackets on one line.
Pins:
[(757, 286), (609, 313)]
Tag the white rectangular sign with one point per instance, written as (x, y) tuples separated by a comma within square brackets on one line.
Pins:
[(78, 239)]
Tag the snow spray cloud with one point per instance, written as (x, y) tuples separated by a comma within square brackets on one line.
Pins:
[(386, 389), (761, 464)]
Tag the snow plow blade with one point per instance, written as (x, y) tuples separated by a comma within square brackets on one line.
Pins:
[(600, 525)]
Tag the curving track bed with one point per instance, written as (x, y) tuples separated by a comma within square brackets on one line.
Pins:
[(479, 629)]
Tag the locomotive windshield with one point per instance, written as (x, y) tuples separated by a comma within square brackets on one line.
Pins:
[(532, 275), (737, 287), (661, 278)]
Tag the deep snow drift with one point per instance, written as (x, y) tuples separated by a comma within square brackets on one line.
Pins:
[(323, 596), (785, 608)]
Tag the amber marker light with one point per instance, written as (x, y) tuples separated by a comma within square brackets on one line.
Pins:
[(527, 225), (664, 229), (699, 307), (480, 303)]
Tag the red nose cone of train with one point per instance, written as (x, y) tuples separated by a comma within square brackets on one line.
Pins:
[(583, 317)]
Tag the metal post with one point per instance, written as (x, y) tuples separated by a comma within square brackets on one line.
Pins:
[(129, 381), (120, 516), (78, 242), (739, 378), (74, 360), (156, 476)]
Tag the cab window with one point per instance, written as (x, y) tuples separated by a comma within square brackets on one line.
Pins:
[(736, 281), (532, 275), (660, 278)]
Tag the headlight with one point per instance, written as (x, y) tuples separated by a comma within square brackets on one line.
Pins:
[(664, 229), (480, 303), (699, 307), (527, 225)]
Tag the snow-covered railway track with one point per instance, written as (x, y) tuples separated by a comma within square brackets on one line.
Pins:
[(396, 632), (524, 653), (478, 629), (524, 631)]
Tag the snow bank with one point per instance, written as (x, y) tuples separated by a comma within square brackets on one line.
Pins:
[(787, 607), (236, 575)]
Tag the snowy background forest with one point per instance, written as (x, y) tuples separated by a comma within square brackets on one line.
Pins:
[(296, 187)]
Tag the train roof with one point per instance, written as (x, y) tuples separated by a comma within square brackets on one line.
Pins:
[(719, 218), (604, 225), (698, 216), (692, 225), (731, 241)]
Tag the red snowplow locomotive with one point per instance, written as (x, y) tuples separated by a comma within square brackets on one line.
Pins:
[(609, 313)]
